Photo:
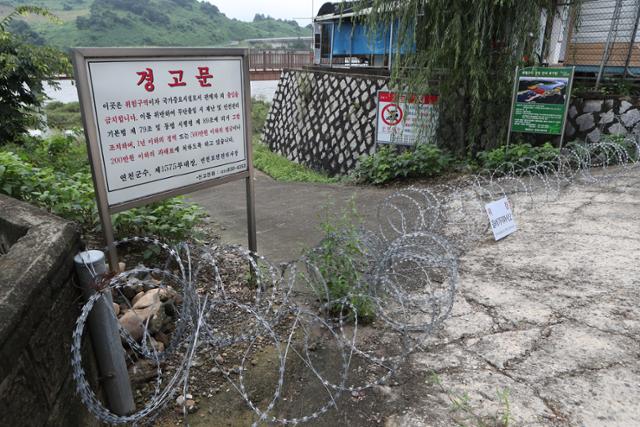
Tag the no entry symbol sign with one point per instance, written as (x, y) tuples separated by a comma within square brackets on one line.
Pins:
[(392, 114)]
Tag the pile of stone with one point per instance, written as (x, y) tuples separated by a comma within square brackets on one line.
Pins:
[(146, 304)]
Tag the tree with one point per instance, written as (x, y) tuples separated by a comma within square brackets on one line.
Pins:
[(24, 68), (466, 51)]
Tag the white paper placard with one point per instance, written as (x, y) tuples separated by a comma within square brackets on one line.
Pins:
[(501, 218), (164, 124)]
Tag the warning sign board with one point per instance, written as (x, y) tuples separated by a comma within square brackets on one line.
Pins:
[(402, 119)]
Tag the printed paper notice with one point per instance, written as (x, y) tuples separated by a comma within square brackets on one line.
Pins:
[(501, 218)]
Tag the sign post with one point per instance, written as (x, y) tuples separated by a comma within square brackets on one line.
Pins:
[(541, 100), (163, 122)]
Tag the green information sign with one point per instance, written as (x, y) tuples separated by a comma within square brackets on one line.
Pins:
[(541, 100)]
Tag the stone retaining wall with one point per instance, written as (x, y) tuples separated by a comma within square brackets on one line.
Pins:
[(589, 119), (324, 120), (39, 304)]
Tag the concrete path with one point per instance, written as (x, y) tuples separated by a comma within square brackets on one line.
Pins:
[(288, 214), (545, 329)]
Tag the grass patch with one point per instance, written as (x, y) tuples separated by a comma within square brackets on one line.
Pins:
[(283, 169)]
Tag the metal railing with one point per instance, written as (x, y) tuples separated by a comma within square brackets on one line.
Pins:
[(269, 60)]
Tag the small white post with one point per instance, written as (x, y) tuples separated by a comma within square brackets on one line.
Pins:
[(103, 327)]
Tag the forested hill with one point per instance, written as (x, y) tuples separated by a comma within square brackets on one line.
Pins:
[(142, 23)]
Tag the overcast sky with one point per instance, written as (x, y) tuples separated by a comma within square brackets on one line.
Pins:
[(245, 10)]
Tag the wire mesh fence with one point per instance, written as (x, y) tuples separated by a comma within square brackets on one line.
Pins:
[(598, 37)]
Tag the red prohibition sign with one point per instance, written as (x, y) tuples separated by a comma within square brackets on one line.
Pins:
[(392, 114)]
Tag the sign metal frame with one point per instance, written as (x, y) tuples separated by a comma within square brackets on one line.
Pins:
[(81, 58)]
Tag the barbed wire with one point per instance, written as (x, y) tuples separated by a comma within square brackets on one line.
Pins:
[(404, 274)]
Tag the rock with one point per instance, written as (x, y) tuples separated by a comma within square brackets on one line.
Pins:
[(116, 309), (122, 267), (219, 360), (132, 288), (617, 129), (631, 117), (607, 117), (570, 131), (128, 291), (158, 321), (180, 400), (585, 122), (141, 275), (573, 111), (137, 298), (624, 106), (147, 299), (150, 283), (191, 406), (162, 338), (608, 104), (157, 345), (592, 106), (594, 136), (132, 324), (133, 321)]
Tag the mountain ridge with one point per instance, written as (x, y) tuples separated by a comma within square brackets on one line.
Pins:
[(143, 23)]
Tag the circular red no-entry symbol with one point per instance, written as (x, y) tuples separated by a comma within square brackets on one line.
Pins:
[(392, 114)]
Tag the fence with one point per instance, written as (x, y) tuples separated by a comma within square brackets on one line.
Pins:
[(278, 60), (598, 37)]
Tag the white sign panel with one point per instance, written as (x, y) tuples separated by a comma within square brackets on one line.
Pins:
[(165, 124), (501, 218), (401, 117)]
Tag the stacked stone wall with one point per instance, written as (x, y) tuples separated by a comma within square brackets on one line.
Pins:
[(324, 120), (590, 119)]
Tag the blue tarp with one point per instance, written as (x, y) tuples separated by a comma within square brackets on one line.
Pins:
[(355, 40)]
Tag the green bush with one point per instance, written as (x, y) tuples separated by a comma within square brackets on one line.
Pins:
[(520, 156), (63, 116), (60, 152), (23, 69), (172, 220), (388, 164), (259, 113), (340, 261), (69, 196), (54, 174)]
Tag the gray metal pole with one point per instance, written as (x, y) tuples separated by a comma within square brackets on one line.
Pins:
[(605, 56), (567, 106), (513, 103), (632, 41), (103, 327)]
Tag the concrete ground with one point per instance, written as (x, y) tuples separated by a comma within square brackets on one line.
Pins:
[(288, 214), (545, 328)]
